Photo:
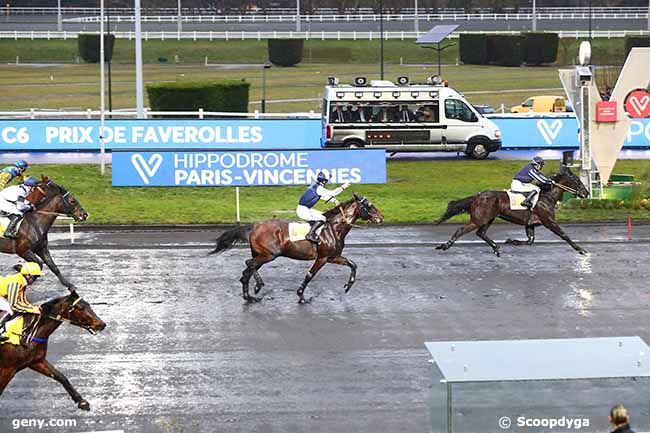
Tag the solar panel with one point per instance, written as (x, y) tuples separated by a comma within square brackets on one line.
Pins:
[(437, 34)]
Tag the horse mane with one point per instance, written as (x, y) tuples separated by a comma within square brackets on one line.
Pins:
[(48, 306), (334, 211)]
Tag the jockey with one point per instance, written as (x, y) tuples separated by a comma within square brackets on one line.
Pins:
[(7, 174), (522, 181), (13, 202), (308, 200), (12, 294)]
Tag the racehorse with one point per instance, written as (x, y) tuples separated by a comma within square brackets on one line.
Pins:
[(14, 358), (50, 201), (270, 239), (484, 207)]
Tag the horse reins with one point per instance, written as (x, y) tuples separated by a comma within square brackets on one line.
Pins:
[(566, 188), (58, 318)]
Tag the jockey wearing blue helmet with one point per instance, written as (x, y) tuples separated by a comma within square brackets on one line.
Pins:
[(7, 174), (308, 200), (523, 181), (13, 202)]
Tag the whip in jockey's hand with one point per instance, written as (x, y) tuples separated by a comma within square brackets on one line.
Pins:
[(308, 200)]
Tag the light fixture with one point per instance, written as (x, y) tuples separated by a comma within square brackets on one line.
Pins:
[(360, 81), (434, 94), (435, 80), (332, 81), (340, 94), (359, 95), (415, 94), (396, 94), (377, 95), (403, 81)]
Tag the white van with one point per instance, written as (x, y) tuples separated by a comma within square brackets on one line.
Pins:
[(405, 117)]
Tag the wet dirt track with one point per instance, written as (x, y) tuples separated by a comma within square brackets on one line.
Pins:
[(183, 353)]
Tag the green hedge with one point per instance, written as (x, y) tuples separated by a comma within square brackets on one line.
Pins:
[(88, 44), (505, 50), (540, 48), (285, 52), (473, 49), (636, 41), (210, 95)]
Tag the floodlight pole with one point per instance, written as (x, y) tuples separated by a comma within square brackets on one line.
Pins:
[(416, 24), (139, 84), (649, 15), (59, 17), (297, 15), (381, 39), (590, 20), (102, 148), (110, 60), (534, 15), (179, 18)]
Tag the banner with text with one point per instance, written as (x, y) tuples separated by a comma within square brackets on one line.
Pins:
[(54, 134), (559, 132), (247, 168)]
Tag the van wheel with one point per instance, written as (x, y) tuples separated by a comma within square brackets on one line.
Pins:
[(354, 144), (478, 150)]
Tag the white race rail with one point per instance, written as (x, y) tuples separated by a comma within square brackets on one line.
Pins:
[(336, 35)]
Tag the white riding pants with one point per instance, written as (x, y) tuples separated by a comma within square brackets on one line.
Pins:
[(309, 214), (9, 207), (518, 186), (5, 306)]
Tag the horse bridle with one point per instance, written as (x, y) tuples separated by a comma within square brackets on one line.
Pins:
[(68, 207), (58, 318)]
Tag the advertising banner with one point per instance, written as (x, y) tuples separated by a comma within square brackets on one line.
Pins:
[(559, 132), (246, 168), (83, 134)]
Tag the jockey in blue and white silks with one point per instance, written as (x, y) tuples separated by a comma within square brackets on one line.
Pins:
[(308, 200), (523, 181), (14, 203)]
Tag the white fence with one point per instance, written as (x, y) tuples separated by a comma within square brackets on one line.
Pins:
[(318, 35), (132, 114), (356, 17), (11, 10)]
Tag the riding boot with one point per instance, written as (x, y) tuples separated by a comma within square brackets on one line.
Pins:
[(312, 236), (11, 231), (528, 202), (3, 322)]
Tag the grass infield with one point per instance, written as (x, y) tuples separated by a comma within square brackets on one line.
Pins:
[(416, 192)]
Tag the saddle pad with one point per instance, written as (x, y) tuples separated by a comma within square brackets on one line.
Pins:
[(298, 231), (516, 199), (14, 331), (4, 222)]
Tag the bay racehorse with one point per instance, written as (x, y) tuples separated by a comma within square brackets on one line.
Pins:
[(50, 201), (14, 358), (485, 207), (270, 240)]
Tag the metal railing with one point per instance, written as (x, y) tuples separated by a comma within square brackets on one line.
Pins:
[(11, 10), (316, 35), (551, 16), (34, 114)]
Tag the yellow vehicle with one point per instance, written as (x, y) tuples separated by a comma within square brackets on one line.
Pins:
[(541, 104)]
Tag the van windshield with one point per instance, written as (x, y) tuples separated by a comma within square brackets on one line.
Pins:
[(456, 109), (384, 112)]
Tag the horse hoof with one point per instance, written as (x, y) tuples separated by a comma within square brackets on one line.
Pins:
[(258, 288), (253, 299), (509, 241), (443, 247), (582, 251), (497, 253), (83, 405)]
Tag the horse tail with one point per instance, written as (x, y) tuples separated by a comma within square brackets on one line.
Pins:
[(456, 207), (230, 238)]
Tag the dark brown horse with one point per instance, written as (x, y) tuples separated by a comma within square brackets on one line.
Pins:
[(50, 200), (13, 358), (270, 240), (485, 207)]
